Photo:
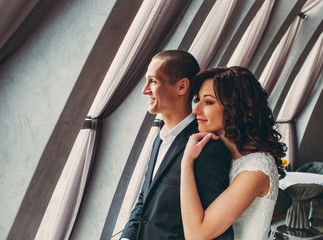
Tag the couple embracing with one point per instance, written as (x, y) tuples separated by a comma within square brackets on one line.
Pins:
[(213, 173)]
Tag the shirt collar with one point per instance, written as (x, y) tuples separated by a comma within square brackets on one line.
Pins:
[(166, 135)]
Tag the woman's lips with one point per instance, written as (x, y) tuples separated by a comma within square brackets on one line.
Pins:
[(199, 120)]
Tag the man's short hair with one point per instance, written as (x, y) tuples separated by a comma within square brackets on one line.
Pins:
[(178, 64)]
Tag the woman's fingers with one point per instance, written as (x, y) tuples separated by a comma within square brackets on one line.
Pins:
[(198, 136), (215, 137), (205, 139), (195, 145)]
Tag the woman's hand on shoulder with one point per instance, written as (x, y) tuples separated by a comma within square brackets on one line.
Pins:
[(195, 145)]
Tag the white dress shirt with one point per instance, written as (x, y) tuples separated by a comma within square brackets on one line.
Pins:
[(168, 136)]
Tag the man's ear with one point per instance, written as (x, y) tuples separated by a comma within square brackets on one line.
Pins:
[(183, 86)]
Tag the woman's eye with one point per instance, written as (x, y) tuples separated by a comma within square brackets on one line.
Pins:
[(208, 102)]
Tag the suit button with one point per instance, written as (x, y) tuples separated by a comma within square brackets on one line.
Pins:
[(144, 220)]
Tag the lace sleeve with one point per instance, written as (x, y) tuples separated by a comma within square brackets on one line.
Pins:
[(263, 162), (254, 162)]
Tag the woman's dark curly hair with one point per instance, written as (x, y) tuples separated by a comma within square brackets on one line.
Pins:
[(248, 121)]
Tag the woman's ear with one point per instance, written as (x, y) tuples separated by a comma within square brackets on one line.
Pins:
[(183, 86)]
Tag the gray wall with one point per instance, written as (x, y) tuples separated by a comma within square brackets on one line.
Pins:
[(34, 86)]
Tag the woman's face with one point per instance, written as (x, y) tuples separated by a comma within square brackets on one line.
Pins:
[(208, 111)]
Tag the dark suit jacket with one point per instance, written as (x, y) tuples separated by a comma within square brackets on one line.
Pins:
[(157, 214)]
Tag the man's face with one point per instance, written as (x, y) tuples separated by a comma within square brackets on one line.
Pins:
[(161, 94)]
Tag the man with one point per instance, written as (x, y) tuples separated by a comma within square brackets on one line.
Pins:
[(157, 214)]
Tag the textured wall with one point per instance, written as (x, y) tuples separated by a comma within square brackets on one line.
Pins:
[(34, 86)]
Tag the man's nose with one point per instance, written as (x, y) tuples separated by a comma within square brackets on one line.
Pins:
[(145, 89)]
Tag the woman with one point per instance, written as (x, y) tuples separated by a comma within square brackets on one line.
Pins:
[(232, 104)]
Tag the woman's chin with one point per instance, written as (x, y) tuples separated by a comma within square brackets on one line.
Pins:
[(203, 129)]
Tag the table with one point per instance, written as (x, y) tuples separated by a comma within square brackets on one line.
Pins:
[(301, 187), (293, 178)]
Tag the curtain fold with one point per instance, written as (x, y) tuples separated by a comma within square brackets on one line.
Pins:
[(60, 215), (276, 63), (209, 38), (274, 67), (298, 95), (12, 14), (249, 42), (120, 62)]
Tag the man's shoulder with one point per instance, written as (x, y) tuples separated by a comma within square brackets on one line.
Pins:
[(215, 145), (216, 150)]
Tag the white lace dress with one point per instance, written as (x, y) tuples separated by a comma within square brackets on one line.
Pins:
[(254, 223)]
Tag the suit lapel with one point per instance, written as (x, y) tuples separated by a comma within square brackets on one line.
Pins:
[(176, 148)]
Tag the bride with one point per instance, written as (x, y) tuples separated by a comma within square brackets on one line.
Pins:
[(232, 104)]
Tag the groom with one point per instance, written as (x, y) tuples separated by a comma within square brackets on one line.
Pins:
[(157, 214)]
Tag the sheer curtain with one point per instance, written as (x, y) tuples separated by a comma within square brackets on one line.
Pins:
[(298, 95), (249, 42), (62, 209), (274, 67), (208, 38), (126, 52)]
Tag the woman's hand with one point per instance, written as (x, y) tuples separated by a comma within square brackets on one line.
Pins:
[(195, 145)]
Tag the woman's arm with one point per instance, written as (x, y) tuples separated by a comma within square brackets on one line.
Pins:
[(219, 216)]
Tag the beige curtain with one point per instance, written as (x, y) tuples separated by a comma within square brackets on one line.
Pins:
[(275, 65), (126, 52), (249, 42), (62, 209), (208, 38), (298, 95)]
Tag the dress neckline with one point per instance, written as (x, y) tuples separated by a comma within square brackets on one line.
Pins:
[(249, 154)]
